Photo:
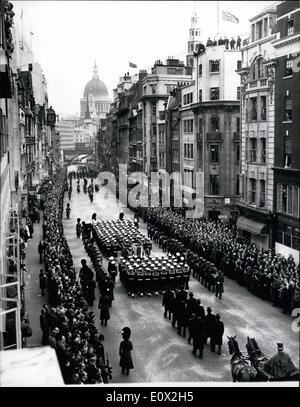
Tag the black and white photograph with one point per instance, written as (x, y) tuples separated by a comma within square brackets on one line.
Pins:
[(149, 196)]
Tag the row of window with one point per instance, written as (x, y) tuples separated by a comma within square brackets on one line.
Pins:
[(254, 152), (255, 111), (288, 197), (188, 178), (188, 126), (214, 182), (254, 195), (214, 66), (188, 150), (188, 98)]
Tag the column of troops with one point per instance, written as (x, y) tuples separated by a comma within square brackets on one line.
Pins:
[(114, 236), (150, 275)]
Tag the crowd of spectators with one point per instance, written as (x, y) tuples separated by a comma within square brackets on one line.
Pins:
[(67, 325), (234, 44), (267, 274)]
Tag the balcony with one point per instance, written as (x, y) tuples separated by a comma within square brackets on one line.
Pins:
[(29, 140), (214, 135), (258, 83)]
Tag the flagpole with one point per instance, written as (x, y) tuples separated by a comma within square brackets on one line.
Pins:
[(218, 17), (22, 30)]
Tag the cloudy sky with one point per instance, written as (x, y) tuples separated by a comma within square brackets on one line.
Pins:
[(69, 35)]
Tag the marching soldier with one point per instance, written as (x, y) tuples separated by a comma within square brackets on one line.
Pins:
[(168, 302)]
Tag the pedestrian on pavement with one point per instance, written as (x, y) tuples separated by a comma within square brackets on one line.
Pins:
[(238, 43), (68, 211), (44, 324), (217, 334), (78, 227), (41, 248), (43, 281), (91, 196), (121, 215), (125, 351)]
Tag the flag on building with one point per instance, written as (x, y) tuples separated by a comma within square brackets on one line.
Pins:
[(230, 17), (132, 65)]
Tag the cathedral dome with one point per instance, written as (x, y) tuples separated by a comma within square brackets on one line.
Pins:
[(95, 87)]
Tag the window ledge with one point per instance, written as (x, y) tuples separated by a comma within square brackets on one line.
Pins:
[(287, 77), (214, 73), (288, 121)]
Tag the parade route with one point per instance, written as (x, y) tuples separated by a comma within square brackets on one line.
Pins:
[(159, 354)]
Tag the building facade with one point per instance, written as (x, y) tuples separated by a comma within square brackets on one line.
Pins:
[(66, 131), (209, 131), (156, 91), (287, 125), (258, 96)]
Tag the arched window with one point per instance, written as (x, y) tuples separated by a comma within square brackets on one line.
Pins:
[(258, 70)]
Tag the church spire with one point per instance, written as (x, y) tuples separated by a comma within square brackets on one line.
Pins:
[(95, 71), (87, 112)]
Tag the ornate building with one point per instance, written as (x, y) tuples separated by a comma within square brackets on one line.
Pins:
[(96, 95), (257, 131)]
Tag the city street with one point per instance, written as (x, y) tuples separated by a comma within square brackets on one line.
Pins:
[(159, 354)]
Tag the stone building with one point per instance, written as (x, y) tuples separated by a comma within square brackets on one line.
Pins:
[(287, 124), (258, 96), (210, 130)]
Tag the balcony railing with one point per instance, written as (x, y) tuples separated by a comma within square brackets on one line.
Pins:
[(214, 135)]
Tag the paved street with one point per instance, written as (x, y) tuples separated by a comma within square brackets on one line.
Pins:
[(159, 354)]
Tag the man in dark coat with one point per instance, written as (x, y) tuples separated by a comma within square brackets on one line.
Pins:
[(199, 337), (125, 351), (219, 281), (181, 318), (217, 334), (199, 309), (209, 322), (41, 250), (232, 43), (44, 326), (85, 275), (192, 327), (103, 305), (168, 302), (43, 281), (191, 305)]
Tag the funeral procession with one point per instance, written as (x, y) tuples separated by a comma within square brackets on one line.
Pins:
[(150, 194)]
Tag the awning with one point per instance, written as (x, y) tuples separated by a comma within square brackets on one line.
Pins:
[(256, 228)]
